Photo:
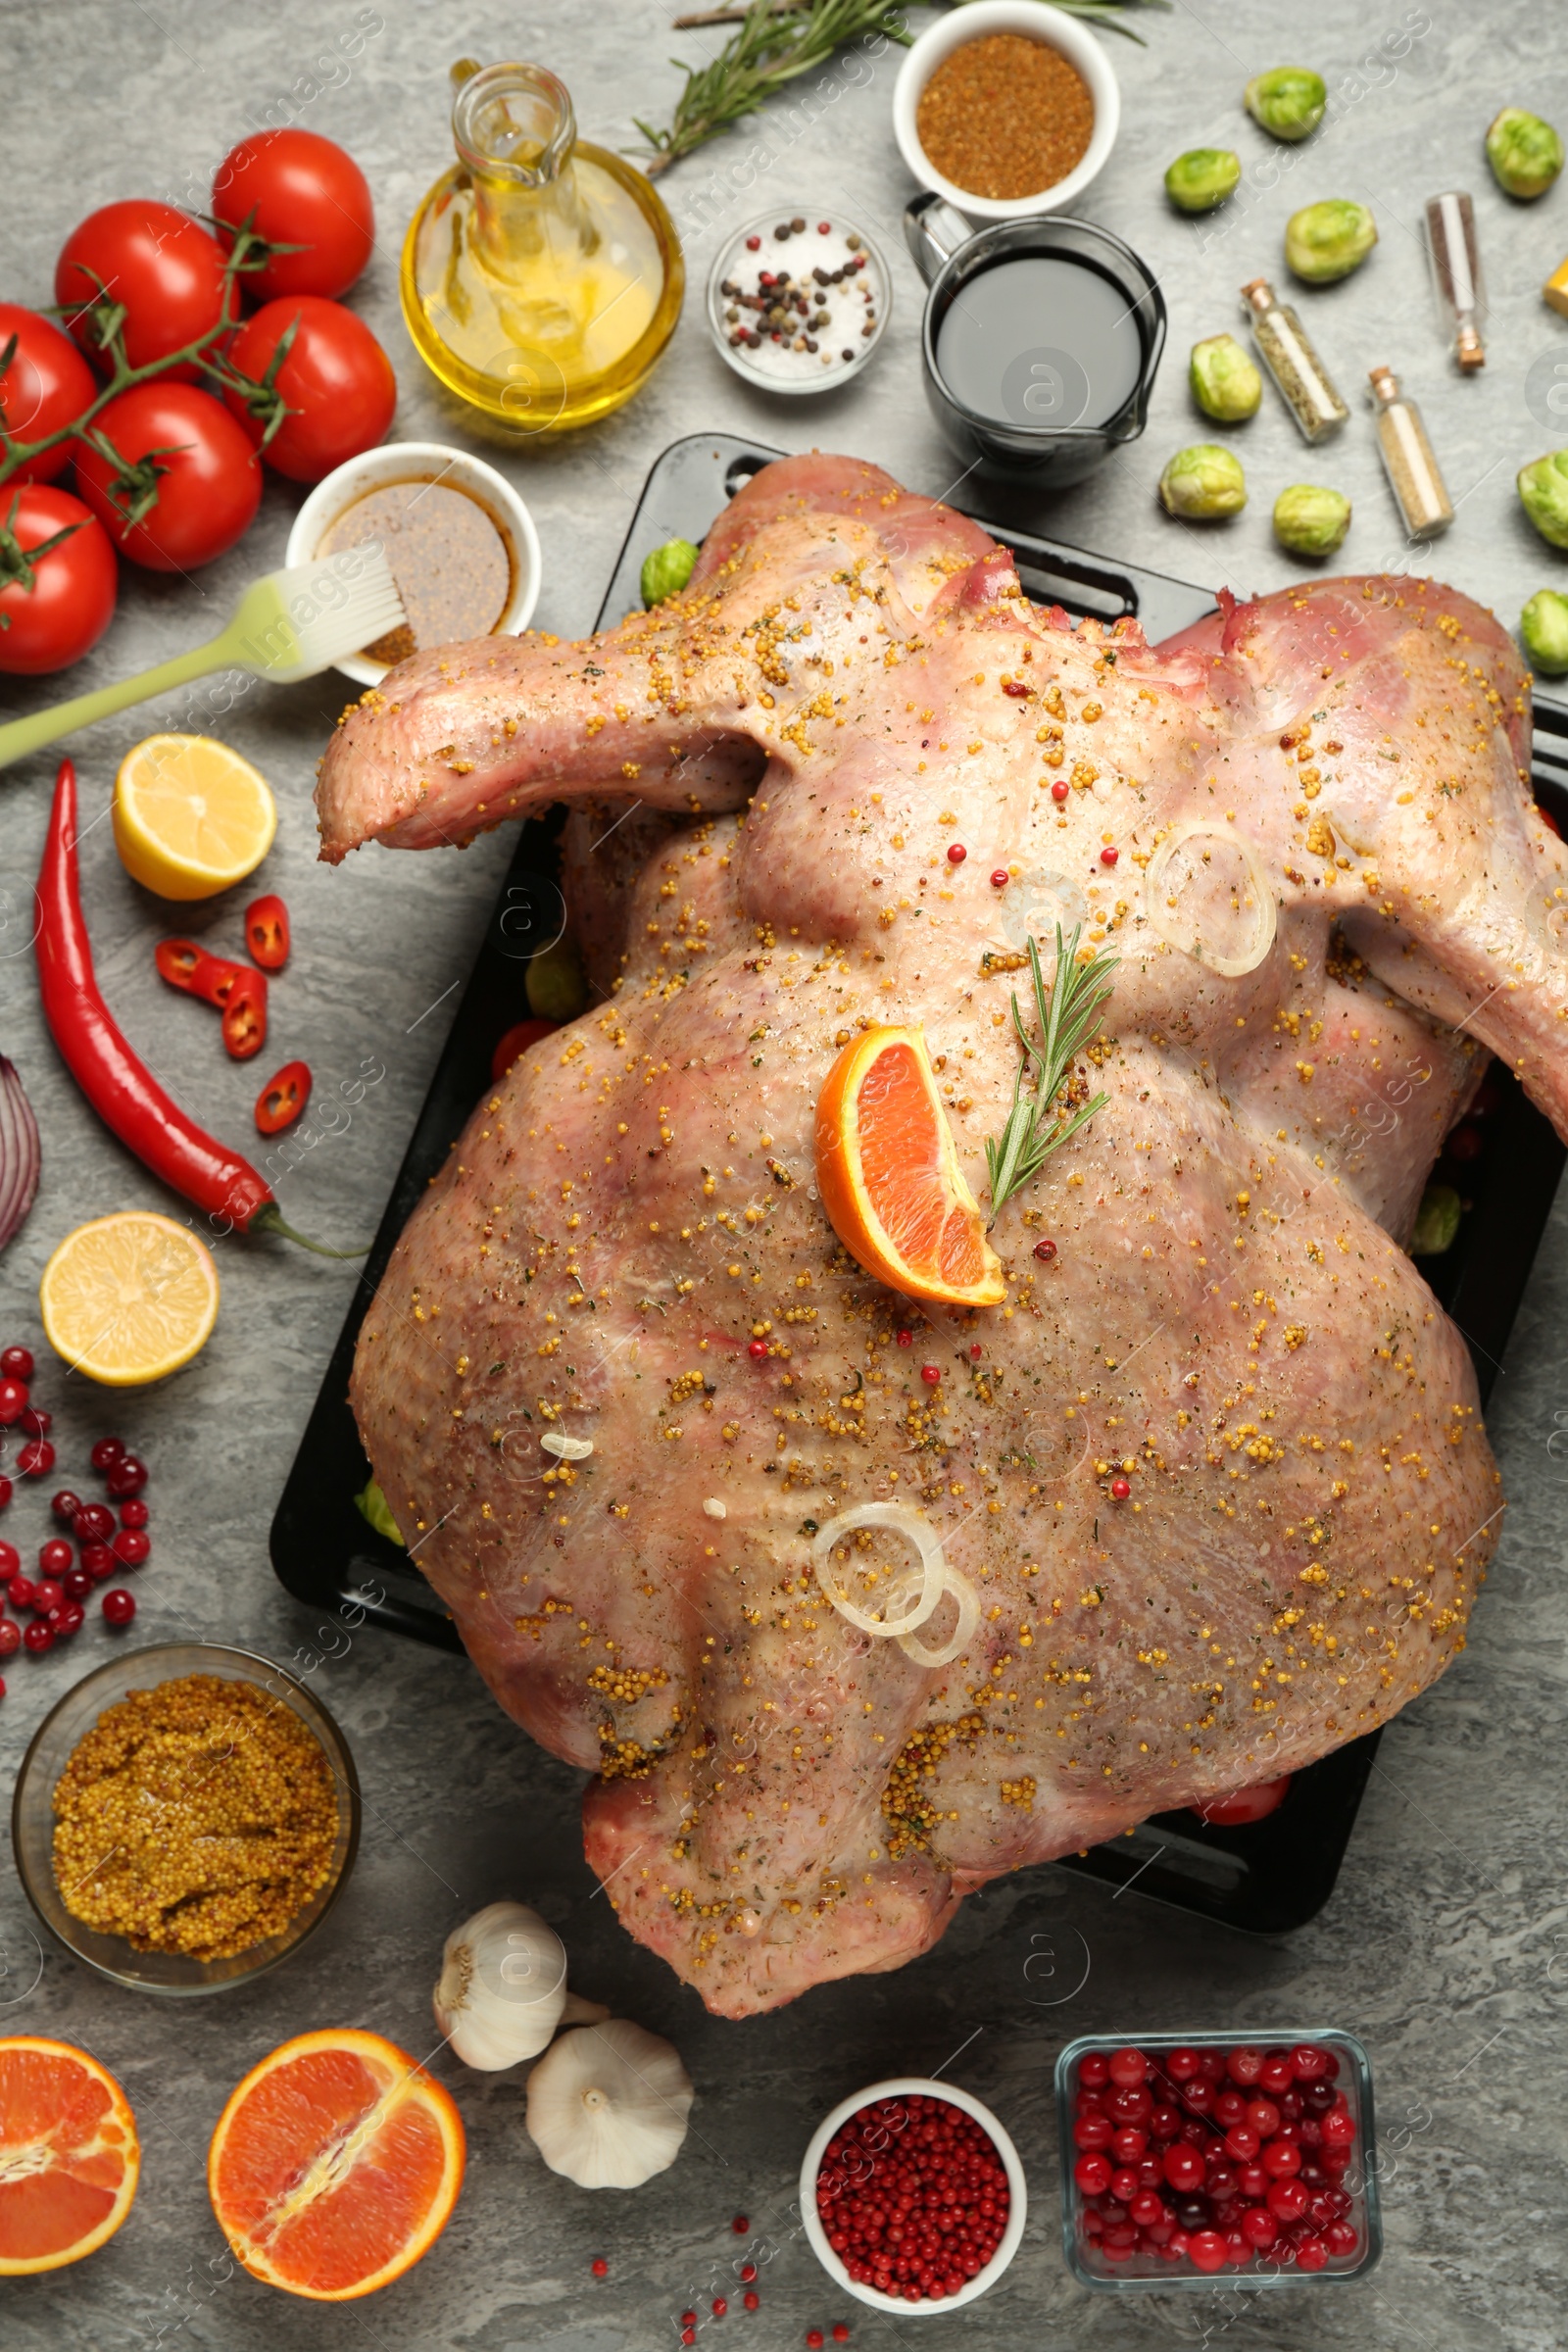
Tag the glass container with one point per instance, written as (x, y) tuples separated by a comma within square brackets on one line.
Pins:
[(542, 276), (1150, 2273), (1299, 375), (1456, 280), (32, 1821), (1413, 470)]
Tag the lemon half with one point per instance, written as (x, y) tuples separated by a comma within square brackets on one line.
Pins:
[(191, 817), (128, 1299)]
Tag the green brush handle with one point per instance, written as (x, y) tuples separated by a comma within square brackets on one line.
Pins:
[(25, 735)]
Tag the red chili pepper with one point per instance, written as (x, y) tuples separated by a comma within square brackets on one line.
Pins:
[(283, 1098), (189, 968), (122, 1090), (518, 1041), (267, 932), (245, 1018)]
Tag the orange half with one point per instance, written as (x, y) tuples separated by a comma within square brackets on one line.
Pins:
[(68, 2154), (335, 2166), (890, 1178)]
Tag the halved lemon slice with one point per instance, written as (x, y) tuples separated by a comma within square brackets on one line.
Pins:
[(890, 1178), (191, 817), (128, 1299)]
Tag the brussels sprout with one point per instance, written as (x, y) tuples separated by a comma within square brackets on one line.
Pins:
[(1289, 103), (1203, 482), (1328, 240), (1201, 178), (372, 1505), (1437, 1221), (554, 983), (1544, 495), (1525, 153), (1225, 384), (1311, 520), (1543, 632), (667, 569)]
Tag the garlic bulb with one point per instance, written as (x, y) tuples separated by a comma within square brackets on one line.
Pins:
[(608, 2105), (503, 1988)]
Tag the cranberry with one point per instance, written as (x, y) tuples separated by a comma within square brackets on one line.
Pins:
[(1340, 2238), (1311, 2254), (64, 1505), (1181, 2064), (107, 1453), (930, 1374), (1258, 2225), (1129, 2144), (956, 852), (1094, 2132), (1211, 2064), (1184, 2168), (55, 1556), (16, 1363), (133, 1513), (1277, 2073), (10, 1562), (1237, 2248), (130, 1546), (119, 1605), (1208, 2250), (1229, 2108), (1129, 2103), (1263, 2117), (1059, 791), (1199, 2096), (13, 1402), (1244, 2064), (39, 1636), (76, 1584), (5, 1493), (36, 1459), (1092, 2172), (46, 1593), (1289, 2106), (1252, 2181), (98, 1561), (1179, 2247), (1281, 2158), (21, 1593), (127, 1476), (66, 1619), (1163, 2123), (1243, 2143), (1219, 2182), (1338, 2129), (1318, 2097), (1310, 2063), (35, 1422), (94, 1523), (1287, 2199), (10, 1637), (1094, 2072), (1124, 2185)]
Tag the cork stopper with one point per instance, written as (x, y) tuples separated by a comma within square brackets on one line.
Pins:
[(1384, 384), (1259, 295), (1469, 350)]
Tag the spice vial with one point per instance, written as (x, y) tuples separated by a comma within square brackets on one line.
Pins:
[(1418, 487), (829, 266), (1299, 375), (1457, 281)]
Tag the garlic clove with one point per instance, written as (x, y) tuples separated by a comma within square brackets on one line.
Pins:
[(503, 1986), (608, 2105), (578, 2012)]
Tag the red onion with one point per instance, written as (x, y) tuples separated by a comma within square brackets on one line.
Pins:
[(20, 1156)]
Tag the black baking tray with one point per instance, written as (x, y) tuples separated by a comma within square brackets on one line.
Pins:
[(1267, 1876)]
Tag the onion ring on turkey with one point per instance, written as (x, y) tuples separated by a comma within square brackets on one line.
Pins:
[(1187, 937), (917, 1530)]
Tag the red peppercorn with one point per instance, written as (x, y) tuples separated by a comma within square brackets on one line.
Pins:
[(1120, 1490), (824, 229), (906, 1339), (999, 880), (107, 1453), (956, 852), (130, 1546), (36, 1459), (747, 2271), (39, 1636), (55, 1556), (599, 2266), (688, 2335), (813, 2337), (739, 2225), (119, 1605), (10, 1562), (688, 2318), (10, 1637), (16, 1363), (757, 1350), (1108, 856), (127, 1476), (1045, 1251), (1059, 791), (13, 1402), (721, 2306), (132, 1514), (841, 2334), (751, 2298), (930, 1374), (752, 244), (976, 1351)]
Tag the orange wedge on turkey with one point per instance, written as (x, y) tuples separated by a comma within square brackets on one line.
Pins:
[(335, 2166), (890, 1178)]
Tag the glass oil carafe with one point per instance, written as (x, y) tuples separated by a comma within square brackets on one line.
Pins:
[(542, 276)]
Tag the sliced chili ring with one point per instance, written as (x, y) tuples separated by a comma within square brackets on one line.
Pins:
[(189, 968), (283, 1098), (517, 1040), (245, 1018), (267, 932)]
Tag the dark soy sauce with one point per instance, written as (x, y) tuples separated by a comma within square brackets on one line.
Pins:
[(1041, 343)]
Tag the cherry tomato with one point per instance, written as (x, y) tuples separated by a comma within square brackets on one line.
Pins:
[(182, 483), (245, 1018), (57, 579), (46, 385), (518, 1041), (334, 375), (267, 932), (159, 266), (293, 187), (283, 1098), (186, 966), (1244, 1804)]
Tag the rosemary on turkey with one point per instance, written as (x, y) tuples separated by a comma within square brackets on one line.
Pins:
[(1068, 1018)]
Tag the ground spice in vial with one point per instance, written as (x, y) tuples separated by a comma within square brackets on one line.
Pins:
[(197, 1817), (1005, 116)]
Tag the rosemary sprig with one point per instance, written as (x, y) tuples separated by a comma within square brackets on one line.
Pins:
[(1068, 1018), (1099, 11), (772, 46)]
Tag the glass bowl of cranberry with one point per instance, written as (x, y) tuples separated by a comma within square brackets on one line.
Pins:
[(1200, 2160), (913, 2196)]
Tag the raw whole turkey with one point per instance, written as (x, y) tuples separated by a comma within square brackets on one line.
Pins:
[(1214, 1471)]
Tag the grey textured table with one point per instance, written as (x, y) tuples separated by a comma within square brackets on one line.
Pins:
[(1444, 1942)]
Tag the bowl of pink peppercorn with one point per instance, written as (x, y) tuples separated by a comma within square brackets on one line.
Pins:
[(1200, 2160)]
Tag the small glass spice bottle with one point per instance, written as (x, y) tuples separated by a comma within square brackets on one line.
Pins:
[(1299, 375), (1457, 281), (1407, 459)]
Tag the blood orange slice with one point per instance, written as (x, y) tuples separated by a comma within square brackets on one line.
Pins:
[(890, 1178), (68, 2154), (335, 2166)]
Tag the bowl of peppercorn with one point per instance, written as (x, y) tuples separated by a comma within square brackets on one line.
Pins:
[(913, 2196), (799, 302), (1202, 2161)]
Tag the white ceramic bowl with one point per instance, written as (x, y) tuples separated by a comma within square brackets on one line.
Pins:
[(424, 461), (950, 32), (902, 2087)]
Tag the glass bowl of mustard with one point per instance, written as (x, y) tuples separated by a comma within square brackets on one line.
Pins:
[(185, 1817)]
